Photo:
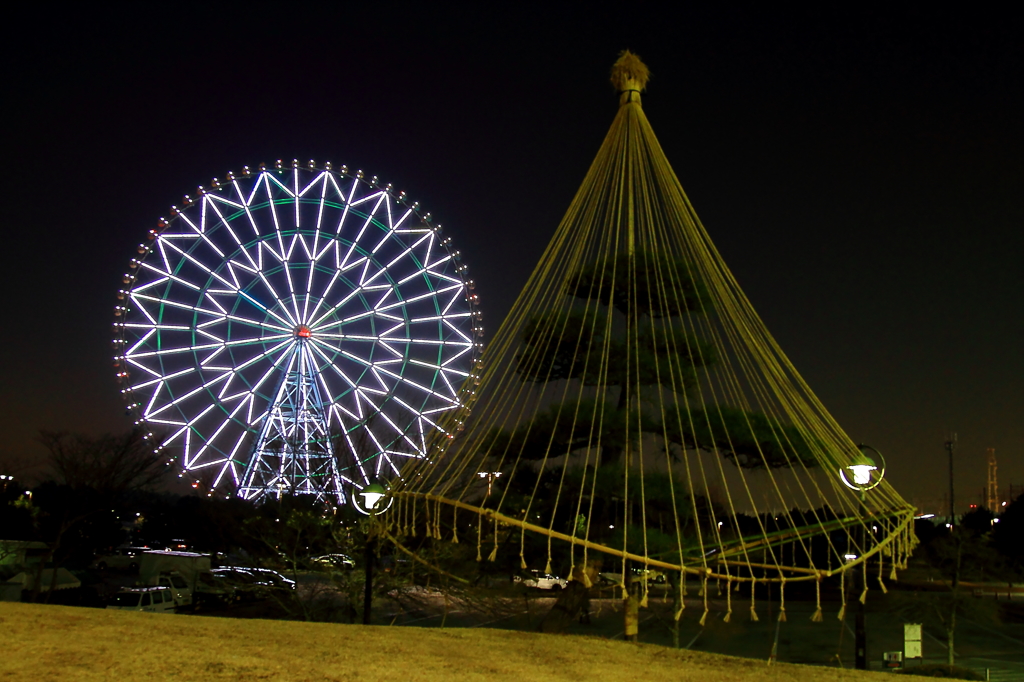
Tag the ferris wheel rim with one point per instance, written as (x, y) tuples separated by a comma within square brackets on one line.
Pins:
[(284, 327)]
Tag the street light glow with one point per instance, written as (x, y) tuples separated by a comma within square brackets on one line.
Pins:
[(371, 498), (861, 473)]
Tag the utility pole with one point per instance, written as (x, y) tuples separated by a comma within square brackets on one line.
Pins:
[(368, 559), (860, 620), (950, 447)]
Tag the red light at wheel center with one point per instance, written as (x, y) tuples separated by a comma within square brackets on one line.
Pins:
[(302, 331)]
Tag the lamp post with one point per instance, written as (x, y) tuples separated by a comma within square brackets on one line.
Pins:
[(950, 447), (372, 500), (490, 476), (862, 474)]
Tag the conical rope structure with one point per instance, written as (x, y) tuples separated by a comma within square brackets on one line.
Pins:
[(634, 406)]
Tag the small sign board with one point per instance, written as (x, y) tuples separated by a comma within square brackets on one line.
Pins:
[(912, 640), (892, 659)]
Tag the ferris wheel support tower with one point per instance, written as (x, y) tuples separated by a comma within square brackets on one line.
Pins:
[(294, 452)]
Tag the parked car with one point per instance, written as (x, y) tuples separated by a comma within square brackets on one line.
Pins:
[(639, 574), (273, 578), (246, 584), (342, 561), (152, 599), (541, 581)]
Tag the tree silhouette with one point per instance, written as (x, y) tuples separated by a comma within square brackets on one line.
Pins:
[(624, 335)]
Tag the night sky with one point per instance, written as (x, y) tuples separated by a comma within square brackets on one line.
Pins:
[(862, 176)]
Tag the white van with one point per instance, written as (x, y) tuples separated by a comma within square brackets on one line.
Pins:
[(178, 586), (153, 599)]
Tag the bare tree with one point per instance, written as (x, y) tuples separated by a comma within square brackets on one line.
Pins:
[(98, 472), (108, 464)]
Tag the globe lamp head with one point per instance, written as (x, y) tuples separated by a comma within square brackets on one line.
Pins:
[(858, 473), (372, 495)]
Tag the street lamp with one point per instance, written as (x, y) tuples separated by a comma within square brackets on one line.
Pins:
[(372, 500), (490, 476), (863, 473)]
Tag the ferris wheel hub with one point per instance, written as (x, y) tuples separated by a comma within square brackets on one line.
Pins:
[(302, 332)]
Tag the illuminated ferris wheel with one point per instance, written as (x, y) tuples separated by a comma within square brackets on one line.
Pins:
[(296, 330)]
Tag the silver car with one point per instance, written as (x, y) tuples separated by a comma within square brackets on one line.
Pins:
[(542, 581)]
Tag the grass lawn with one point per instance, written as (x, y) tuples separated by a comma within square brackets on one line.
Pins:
[(77, 644)]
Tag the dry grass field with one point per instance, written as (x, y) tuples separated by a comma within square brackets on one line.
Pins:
[(78, 645)]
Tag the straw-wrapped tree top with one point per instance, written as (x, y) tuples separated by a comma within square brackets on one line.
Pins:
[(633, 403)]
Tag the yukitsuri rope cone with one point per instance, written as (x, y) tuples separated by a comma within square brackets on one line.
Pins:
[(634, 410)]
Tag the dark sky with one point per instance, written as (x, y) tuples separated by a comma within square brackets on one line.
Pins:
[(861, 174)]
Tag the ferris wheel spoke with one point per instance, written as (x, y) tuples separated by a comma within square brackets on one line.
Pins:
[(438, 318), (330, 363), (356, 459), (189, 394), (345, 212), (410, 382), (416, 413), (458, 332), (207, 346), (291, 291), (200, 232), (419, 273), (228, 466), (228, 420), (330, 285), (189, 430), (316, 324), (319, 329), (400, 432), (168, 276), (394, 351), (400, 326), (221, 317), (161, 380), (467, 348), (295, 196), (337, 409), (451, 389), (420, 297), (283, 345), (145, 337), (272, 208), (136, 363), (227, 283), (366, 224), (307, 297)]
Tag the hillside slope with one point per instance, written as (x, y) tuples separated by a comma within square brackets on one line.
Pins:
[(77, 645)]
